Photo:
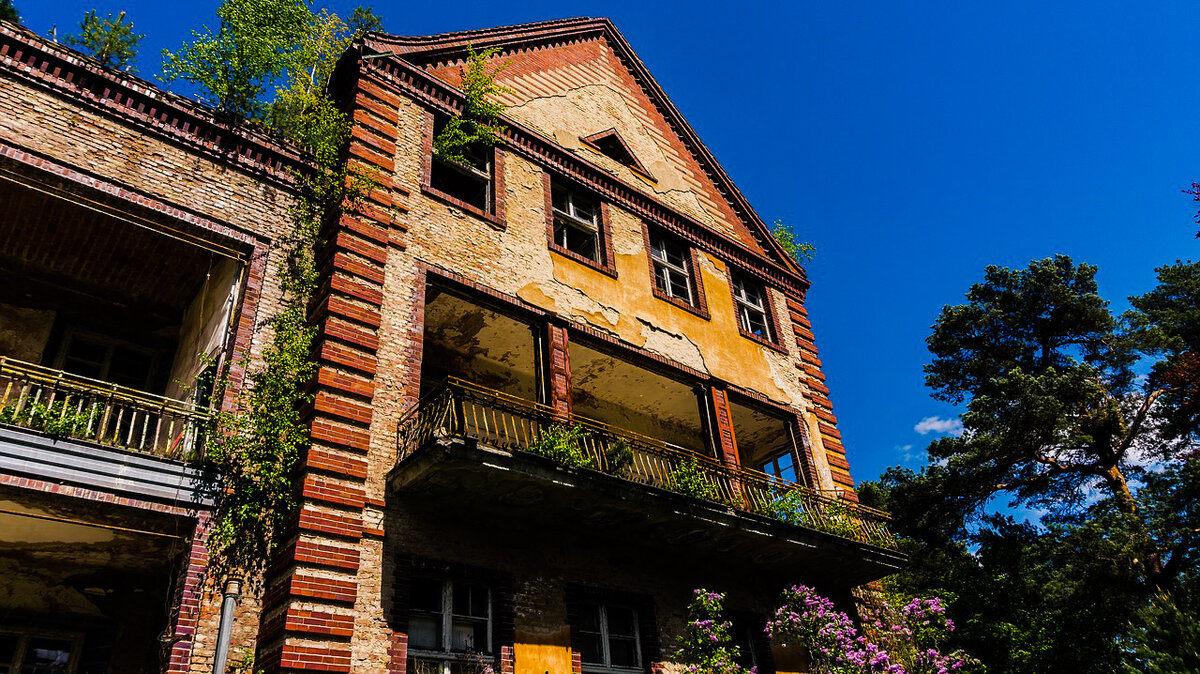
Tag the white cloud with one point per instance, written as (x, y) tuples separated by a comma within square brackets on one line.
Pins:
[(939, 425), (908, 455)]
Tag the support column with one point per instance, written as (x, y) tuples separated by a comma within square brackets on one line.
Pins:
[(726, 442), (559, 368), (308, 615)]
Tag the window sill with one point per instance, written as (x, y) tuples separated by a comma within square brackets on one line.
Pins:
[(700, 311), (491, 218), (763, 341), (606, 269)]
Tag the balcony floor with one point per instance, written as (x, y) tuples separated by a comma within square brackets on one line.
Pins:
[(461, 481)]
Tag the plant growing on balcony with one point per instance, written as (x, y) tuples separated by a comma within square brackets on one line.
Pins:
[(689, 479), (705, 646), (561, 443), (57, 419), (900, 638), (618, 457)]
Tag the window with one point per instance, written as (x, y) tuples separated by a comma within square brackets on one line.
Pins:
[(782, 467), (109, 359), (607, 636), (672, 268), (449, 625), (468, 183), (33, 653), (752, 310), (577, 223)]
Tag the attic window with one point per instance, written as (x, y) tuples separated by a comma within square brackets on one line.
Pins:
[(610, 144)]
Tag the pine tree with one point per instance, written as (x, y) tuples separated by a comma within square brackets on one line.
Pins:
[(110, 41)]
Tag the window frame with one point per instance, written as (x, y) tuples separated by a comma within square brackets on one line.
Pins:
[(606, 665), (494, 173), (446, 656), (772, 339), (699, 301), (604, 261), (24, 635)]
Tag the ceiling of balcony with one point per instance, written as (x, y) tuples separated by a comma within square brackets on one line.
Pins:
[(65, 252)]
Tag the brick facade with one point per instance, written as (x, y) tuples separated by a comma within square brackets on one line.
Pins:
[(336, 595)]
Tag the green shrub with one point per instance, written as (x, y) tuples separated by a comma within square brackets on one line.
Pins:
[(560, 443), (688, 479), (618, 457)]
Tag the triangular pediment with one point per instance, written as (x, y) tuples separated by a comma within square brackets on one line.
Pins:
[(578, 82)]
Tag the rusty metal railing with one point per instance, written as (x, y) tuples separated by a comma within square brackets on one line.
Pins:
[(61, 404), (465, 410)]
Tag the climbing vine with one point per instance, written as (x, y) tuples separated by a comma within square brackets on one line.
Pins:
[(257, 443)]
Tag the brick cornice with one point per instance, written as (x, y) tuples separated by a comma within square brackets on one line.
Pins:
[(409, 80), (50, 66)]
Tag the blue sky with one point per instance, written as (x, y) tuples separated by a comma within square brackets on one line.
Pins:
[(913, 143)]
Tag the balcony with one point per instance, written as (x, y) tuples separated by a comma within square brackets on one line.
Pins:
[(63, 405), (458, 435)]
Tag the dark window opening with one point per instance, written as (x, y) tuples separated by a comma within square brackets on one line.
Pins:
[(751, 303), (577, 222), (470, 181), (608, 636), (448, 621), (610, 144), (672, 268)]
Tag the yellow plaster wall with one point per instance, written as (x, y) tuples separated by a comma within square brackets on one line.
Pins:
[(516, 260)]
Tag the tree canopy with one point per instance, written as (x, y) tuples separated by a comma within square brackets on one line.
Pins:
[(8, 12), (1086, 418), (110, 41)]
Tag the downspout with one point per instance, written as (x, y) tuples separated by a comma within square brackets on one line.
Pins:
[(233, 588)]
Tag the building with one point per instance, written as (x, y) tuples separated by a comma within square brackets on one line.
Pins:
[(138, 246), (594, 289)]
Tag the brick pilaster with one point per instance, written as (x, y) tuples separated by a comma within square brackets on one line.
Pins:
[(558, 368), (726, 442), (307, 621), (828, 434)]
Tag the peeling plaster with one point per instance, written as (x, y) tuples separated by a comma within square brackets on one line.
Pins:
[(672, 345)]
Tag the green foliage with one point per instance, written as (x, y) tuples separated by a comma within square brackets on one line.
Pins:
[(828, 515), (689, 479), (478, 126), (364, 20), (1164, 638), (60, 418), (1056, 420), (801, 252), (281, 43), (705, 646), (618, 457), (8, 12), (110, 41), (256, 43), (561, 443)]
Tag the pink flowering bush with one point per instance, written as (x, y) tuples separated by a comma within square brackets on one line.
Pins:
[(705, 646), (897, 639)]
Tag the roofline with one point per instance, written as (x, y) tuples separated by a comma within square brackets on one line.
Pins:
[(445, 45), (410, 80), (48, 65)]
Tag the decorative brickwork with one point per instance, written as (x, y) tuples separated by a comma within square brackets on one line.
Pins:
[(309, 606), (822, 409)]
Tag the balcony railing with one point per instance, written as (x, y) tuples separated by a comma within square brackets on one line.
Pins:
[(464, 410), (66, 405)]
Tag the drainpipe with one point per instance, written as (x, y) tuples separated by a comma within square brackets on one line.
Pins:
[(233, 588)]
